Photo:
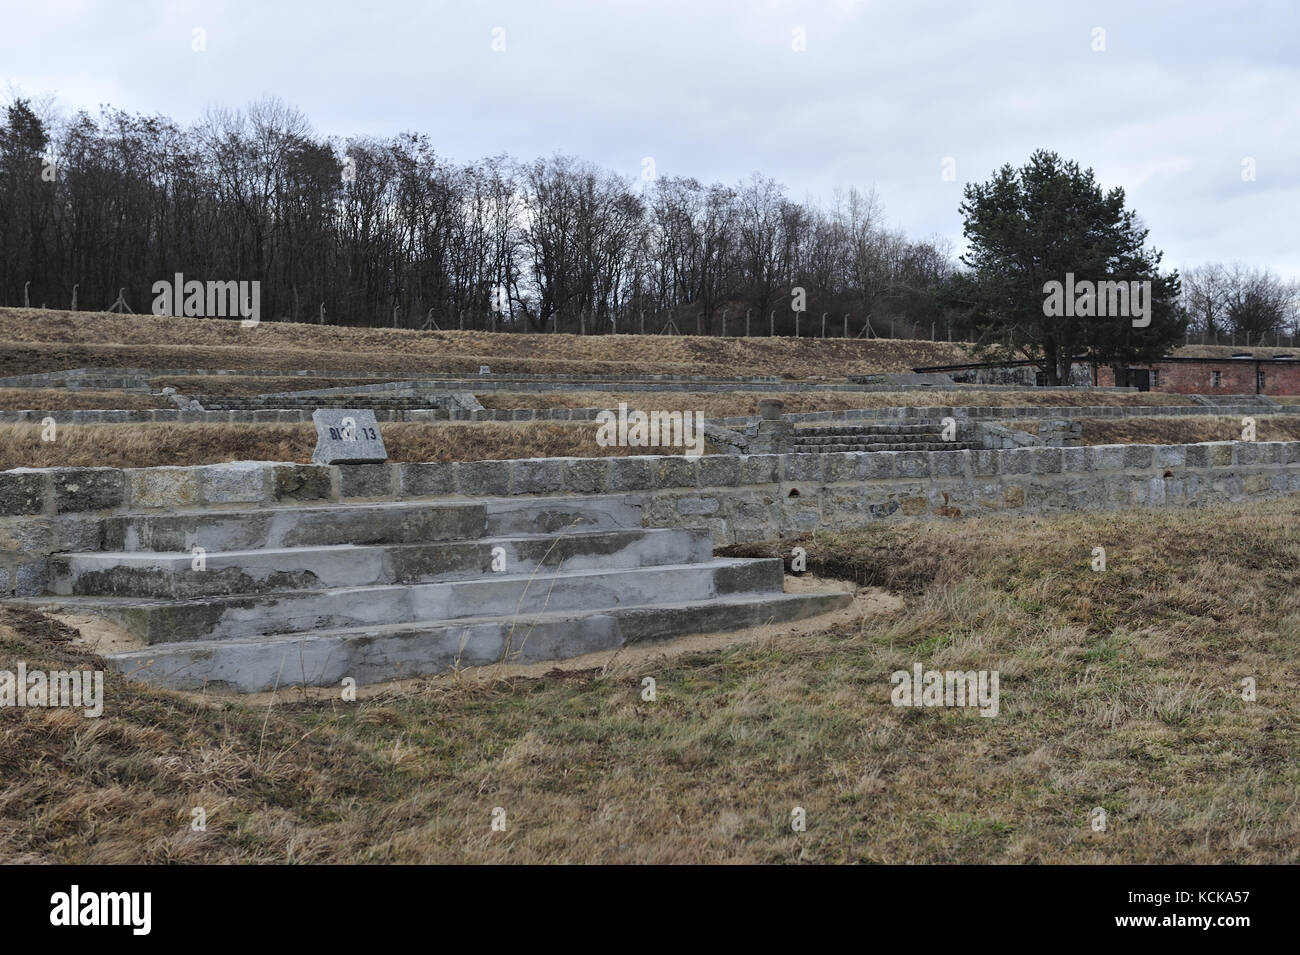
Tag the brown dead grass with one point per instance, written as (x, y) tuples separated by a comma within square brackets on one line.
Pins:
[(194, 385), (156, 445), (735, 404), (61, 399), (1119, 689), (34, 340), (1185, 430), (160, 444)]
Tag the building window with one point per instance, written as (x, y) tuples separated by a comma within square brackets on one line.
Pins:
[(1155, 379), (1259, 381), (1215, 379), (1040, 379)]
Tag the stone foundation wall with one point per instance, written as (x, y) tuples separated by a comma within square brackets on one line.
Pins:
[(739, 498), (907, 415)]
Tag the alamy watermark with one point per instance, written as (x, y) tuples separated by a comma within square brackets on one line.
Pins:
[(658, 429), (75, 907), (210, 299), (77, 689), (923, 687), (1088, 299)]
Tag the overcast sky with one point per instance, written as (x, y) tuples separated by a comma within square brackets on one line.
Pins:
[(882, 93)]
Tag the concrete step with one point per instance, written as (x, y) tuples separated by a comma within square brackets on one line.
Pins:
[(816, 444), (862, 446), (922, 427), (244, 615), (373, 654), (172, 575), (404, 522)]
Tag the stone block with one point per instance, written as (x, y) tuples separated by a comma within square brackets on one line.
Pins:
[(1046, 460), (1016, 461), (984, 463), (88, 489), (586, 475), (23, 491), (877, 465), (842, 467), (427, 479), (483, 478), (913, 464), (1197, 456), (950, 463), (697, 505), (1171, 456), (1108, 457), (719, 470), (163, 487), (1138, 456), (632, 473), (240, 482), (803, 467), (1076, 460), (537, 475), (760, 469), (301, 482), (677, 472), (366, 481)]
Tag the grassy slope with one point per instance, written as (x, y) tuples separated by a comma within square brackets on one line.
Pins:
[(158, 445), (1186, 430), (734, 404), (62, 399), (1119, 689), (37, 340)]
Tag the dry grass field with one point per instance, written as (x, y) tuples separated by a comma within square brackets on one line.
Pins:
[(735, 404), (1118, 689), (1186, 430), (33, 340), (195, 385), (61, 399), (158, 445)]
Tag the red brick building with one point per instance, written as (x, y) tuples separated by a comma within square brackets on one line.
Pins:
[(1244, 374), (1258, 371)]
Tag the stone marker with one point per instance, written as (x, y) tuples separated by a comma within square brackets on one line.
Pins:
[(347, 437)]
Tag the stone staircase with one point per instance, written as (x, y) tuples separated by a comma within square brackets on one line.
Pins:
[(923, 436), (310, 595)]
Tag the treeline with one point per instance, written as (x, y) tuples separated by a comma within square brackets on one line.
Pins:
[(386, 232), (1237, 304)]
